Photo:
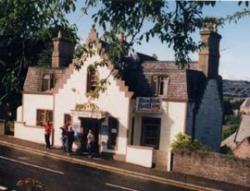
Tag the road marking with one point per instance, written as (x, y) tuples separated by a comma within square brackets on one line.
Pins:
[(118, 186), (32, 165)]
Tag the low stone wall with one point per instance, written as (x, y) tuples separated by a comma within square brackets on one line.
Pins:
[(160, 160), (213, 166)]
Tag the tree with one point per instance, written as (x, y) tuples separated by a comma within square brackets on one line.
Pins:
[(172, 22), (26, 28)]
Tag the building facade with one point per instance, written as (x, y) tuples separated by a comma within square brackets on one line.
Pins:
[(138, 115)]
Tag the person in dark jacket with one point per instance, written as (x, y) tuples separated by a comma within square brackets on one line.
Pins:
[(70, 138), (64, 137)]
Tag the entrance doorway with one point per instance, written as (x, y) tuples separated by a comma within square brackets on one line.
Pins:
[(94, 125)]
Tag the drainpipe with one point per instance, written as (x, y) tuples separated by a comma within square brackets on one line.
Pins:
[(53, 131)]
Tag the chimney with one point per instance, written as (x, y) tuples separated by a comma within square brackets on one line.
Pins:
[(62, 52), (209, 52)]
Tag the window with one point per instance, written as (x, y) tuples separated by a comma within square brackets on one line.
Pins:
[(47, 82), (159, 84), (67, 118), (43, 115), (113, 132), (92, 79), (151, 132)]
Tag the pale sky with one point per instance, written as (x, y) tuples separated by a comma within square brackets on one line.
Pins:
[(234, 46)]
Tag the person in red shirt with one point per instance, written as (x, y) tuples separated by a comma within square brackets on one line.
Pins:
[(47, 132)]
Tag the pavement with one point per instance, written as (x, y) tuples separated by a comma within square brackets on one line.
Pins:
[(169, 178)]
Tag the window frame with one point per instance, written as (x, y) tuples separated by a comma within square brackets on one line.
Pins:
[(92, 79), (144, 125), (65, 120), (159, 84), (48, 116), (47, 82), (113, 123)]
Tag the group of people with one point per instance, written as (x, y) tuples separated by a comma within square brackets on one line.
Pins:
[(76, 135), (70, 135)]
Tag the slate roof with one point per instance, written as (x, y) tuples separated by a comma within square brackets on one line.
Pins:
[(33, 81), (184, 84)]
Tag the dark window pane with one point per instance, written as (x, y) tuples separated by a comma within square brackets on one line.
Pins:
[(151, 132)]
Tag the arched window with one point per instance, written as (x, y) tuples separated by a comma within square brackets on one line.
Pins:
[(47, 82), (92, 78)]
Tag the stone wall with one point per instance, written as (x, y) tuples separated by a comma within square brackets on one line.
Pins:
[(213, 166), (160, 159)]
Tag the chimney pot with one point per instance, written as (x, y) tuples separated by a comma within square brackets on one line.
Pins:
[(209, 52), (62, 52)]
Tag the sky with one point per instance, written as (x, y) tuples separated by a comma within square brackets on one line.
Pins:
[(234, 46)]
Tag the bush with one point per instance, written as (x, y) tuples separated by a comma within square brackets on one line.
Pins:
[(184, 141)]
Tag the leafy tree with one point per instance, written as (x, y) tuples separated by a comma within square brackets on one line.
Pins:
[(26, 27), (173, 24), (231, 124)]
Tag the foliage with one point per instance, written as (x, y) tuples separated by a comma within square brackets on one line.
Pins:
[(227, 150), (231, 124), (172, 24), (26, 28), (231, 120), (184, 141), (31, 184)]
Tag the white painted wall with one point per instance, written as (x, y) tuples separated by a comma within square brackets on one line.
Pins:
[(32, 102), (173, 121), (113, 101), (19, 114), (135, 153), (34, 134)]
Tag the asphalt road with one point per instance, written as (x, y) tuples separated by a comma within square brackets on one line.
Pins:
[(63, 176)]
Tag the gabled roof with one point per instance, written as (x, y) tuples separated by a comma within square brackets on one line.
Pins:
[(183, 85), (244, 129), (33, 81), (245, 106), (240, 135)]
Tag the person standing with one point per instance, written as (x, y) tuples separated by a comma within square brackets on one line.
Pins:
[(70, 138), (47, 133), (64, 137), (90, 142)]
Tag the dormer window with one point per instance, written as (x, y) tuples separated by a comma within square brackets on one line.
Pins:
[(159, 84), (47, 82), (92, 79)]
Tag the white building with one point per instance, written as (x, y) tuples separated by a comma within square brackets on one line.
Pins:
[(136, 117)]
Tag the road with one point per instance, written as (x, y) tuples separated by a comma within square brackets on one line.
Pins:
[(58, 175)]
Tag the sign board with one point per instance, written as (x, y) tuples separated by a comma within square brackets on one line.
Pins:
[(148, 104), (89, 114)]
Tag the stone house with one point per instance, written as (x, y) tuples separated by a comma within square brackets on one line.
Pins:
[(138, 116)]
